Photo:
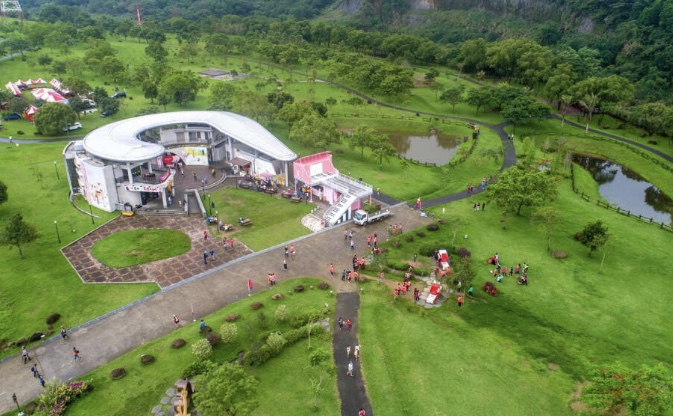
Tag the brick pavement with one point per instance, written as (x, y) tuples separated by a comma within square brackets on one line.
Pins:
[(163, 272)]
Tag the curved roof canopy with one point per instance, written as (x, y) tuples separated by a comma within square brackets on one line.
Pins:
[(119, 141)]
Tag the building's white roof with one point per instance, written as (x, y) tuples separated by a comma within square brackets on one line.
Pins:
[(119, 141)]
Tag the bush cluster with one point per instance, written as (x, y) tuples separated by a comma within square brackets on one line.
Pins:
[(432, 227), (178, 343), (57, 396), (275, 343), (202, 349), (256, 305), (146, 359), (228, 332), (53, 318), (232, 317), (197, 368), (117, 373)]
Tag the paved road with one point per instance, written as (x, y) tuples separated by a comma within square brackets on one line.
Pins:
[(123, 330)]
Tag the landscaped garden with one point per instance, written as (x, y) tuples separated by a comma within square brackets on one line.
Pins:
[(526, 351), (128, 248)]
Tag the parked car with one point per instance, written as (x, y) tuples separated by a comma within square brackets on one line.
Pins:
[(13, 116), (90, 110), (72, 127), (107, 113), (120, 94)]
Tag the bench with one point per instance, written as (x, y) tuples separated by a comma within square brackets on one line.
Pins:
[(295, 199), (246, 222)]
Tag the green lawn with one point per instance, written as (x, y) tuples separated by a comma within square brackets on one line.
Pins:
[(286, 378), (128, 248)]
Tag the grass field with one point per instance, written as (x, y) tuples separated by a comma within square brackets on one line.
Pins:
[(285, 379), (128, 248), (523, 352)]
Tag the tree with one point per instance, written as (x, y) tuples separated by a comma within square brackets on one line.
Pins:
[(4, 196), (519, 186), (594, 235), (78, 105), (156, 51), (547, 217), (77, 85), (479, 97), (279, 98), (226, 391), (382, 148), (222, 95), (292, 113), (44, 60), (453, 96), (617, 390), (363, 137), (315, 131), (18, 233), (182, 86), (150, 90), (17, 43), (53, 117), (522, 110)]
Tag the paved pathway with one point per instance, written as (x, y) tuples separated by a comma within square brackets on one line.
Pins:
[(352, 389), (123, 330)]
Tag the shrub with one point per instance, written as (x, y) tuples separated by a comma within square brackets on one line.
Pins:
[(197, 368), (57, 395), (257, 305), (323, 286), (202, 349), (263, 336), (277, 296), (281, 313), (262, 321), (117, 373), (409, 239), (258, 356), (30, 408), (319, 356), (146, 359), (432, 227), (396, 265), (396, 243), (299, 288), (35, 337), (214, 338), (229, 333), (276, 342), (53, 318), (464, 253), (427, 250), (205, 330), (232, 317), (178, 343), (420, 234)]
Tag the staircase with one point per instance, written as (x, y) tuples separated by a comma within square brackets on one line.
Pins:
[(336, 211)]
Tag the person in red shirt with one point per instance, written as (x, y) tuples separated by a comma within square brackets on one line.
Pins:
[(362, 413)]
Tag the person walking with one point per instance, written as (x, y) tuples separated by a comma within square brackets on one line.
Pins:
[(202, 324), (352, 246), (40, 377), (349, 324), (348, 351), (285, 264), (33, 369), (460, 301), (75, 354), (212, 255), (64, 333), (205, 236), (340, 322), (362, 412), (205, 257), (331, 270), (231, 243), (176, 321), (25, 356), (350, 369)]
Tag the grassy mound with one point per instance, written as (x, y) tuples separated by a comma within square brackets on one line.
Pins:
[(129, 248)]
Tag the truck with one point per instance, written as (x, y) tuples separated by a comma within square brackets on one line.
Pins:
[(362, 217)]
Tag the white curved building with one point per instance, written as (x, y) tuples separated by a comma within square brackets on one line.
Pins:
[(123, 162)]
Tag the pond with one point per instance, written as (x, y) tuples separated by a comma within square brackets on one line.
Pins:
[(435, 148), (627, 190)]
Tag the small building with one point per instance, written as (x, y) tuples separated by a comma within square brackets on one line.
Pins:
[(316, 176), (127, 161)]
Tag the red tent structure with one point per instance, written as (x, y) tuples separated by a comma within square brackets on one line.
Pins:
[(49, 95), (29, 113), (13, 89)]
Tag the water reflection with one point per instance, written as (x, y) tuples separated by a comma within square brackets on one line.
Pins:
[(436, 148), (626, 189)]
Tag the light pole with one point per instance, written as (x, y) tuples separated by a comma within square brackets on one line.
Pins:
[(210, 207), (56, 169), (58, 236), (91, 213)]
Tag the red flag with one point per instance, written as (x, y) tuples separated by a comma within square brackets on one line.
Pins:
[(250, 285)]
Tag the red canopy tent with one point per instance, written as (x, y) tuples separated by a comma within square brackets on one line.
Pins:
[(29, 113)]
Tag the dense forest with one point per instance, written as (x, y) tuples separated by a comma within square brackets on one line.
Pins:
[(598, 66)]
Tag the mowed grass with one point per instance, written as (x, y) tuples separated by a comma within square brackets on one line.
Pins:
[(524, 351), (285, 379), (128, 248), (275, 219), (41, 198)]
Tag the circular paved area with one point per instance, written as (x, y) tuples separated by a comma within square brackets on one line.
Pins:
[(163, 272)]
